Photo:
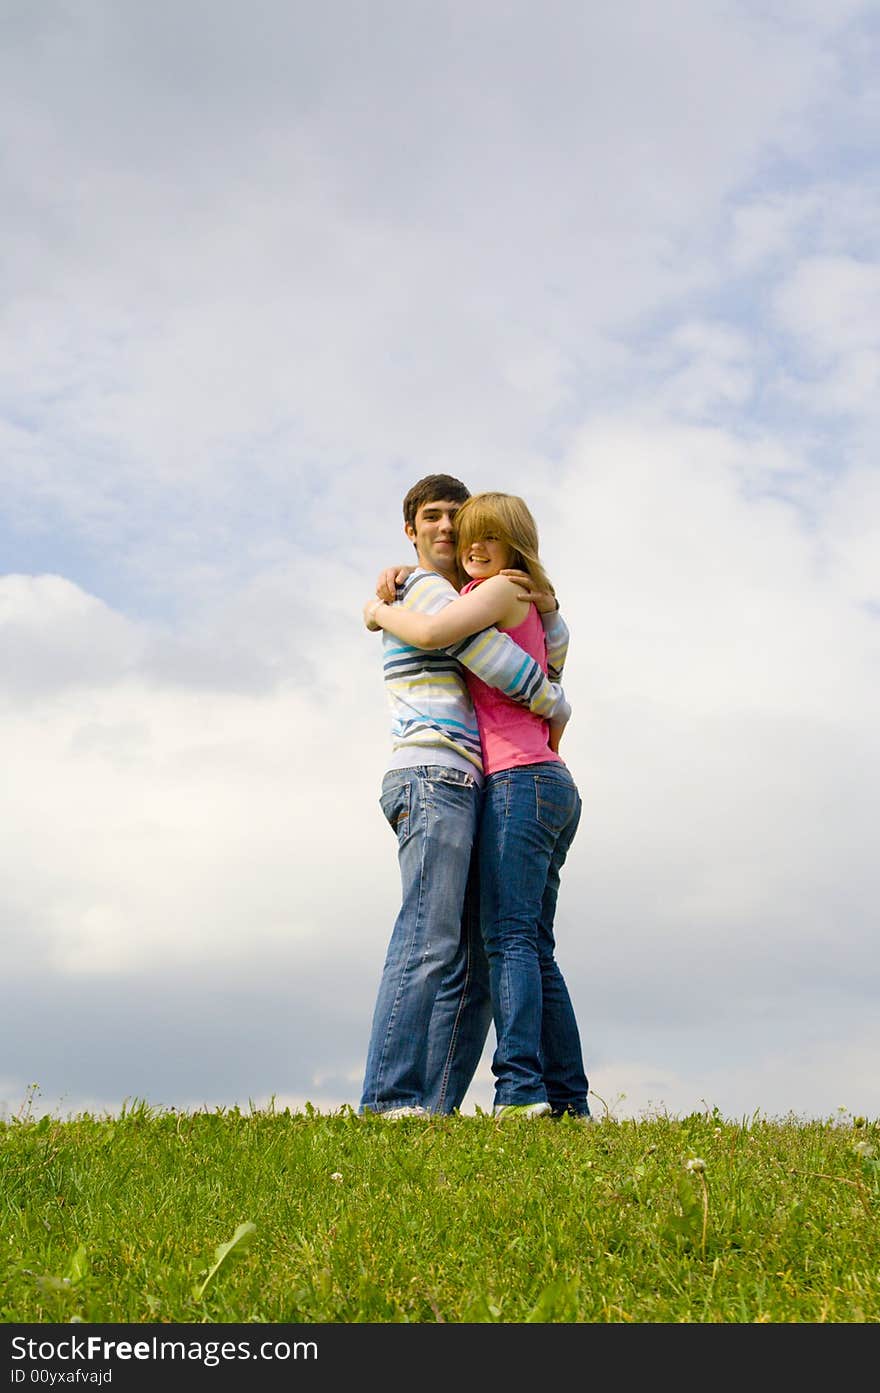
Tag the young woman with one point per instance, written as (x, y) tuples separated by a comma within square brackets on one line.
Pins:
[(530, 813)]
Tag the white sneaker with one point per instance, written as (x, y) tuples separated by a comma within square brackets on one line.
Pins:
[(505, 1111), (393, 1114)]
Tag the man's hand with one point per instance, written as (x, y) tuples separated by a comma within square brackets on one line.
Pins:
[(369, 610), (543, 600), (389, 579)]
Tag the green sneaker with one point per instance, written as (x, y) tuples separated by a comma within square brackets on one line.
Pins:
[(506, 1111), (582, 1119)]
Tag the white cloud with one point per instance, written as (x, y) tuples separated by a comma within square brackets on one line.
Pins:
[(179, 826), (152, 813), (765, 229), (852, 538), (54, 635), (703, 368), (213, 295), (828, 307), (832, 306)]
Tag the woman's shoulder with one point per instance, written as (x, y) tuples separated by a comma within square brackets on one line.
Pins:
[(501, 584), (503, 594)]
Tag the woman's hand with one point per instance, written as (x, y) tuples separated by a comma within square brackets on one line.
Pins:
[(543, 600)]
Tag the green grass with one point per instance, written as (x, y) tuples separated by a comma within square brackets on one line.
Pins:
[(266, 1216)]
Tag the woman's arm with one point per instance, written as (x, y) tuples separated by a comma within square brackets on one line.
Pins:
[(488, 603)]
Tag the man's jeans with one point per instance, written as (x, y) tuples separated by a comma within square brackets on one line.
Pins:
[(529, 818), (432, 1012)]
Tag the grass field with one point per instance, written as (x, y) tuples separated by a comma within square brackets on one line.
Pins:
[(270, 1216)]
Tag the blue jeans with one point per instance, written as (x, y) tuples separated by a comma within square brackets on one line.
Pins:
[(432, 1011), (529, 818)]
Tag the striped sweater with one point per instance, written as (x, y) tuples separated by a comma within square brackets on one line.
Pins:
[(432, 715)]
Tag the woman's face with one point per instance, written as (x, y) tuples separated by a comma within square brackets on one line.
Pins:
[(485, 557)]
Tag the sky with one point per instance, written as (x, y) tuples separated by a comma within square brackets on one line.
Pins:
[(266, 265)]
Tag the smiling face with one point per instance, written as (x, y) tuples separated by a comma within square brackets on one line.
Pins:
[(497, 532), (433, 535), (485, 556)]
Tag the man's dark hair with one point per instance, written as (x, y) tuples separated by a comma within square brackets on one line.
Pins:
[(434, 488)]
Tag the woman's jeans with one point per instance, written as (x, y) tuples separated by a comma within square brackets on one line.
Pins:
[(529, 818), (432, 1012)]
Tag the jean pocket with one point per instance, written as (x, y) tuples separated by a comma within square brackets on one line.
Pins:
[(443, 774), (555, 803), (394, 801)]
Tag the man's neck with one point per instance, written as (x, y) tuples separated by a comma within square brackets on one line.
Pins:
[(452, 576)]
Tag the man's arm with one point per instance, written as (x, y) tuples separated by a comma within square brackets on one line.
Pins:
[(556, 634), (388, 581), (491, 654), (547, 605), (545, 601), (498, 661)]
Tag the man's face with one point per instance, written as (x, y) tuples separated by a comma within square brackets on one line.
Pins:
[(434, 537)]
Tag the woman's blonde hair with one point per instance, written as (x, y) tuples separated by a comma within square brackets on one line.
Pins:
[(506, 517)]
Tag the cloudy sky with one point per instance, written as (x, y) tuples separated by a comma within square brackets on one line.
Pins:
[(263, 266)]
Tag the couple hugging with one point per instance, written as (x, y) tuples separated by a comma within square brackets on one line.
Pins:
[(484, 810)]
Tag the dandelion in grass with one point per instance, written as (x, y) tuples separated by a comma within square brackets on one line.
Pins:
[(697, 1166), (337, 1176)]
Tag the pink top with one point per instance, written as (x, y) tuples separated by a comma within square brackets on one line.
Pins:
[(509, 733)]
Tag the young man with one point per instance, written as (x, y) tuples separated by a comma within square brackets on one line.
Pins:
[(433, 1010)]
